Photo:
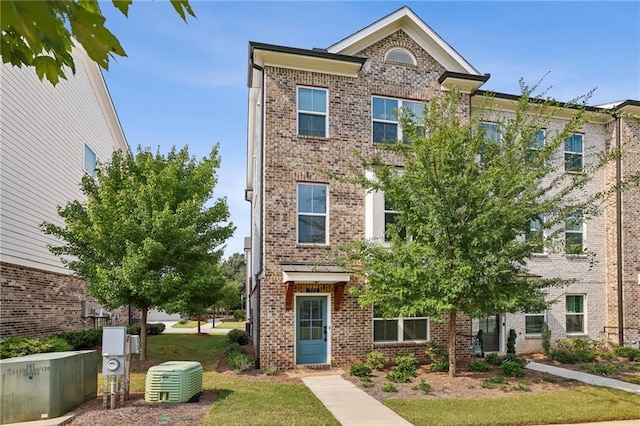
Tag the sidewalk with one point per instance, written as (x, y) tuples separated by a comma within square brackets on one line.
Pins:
[(204, 328), (349, 405), (585, 377)]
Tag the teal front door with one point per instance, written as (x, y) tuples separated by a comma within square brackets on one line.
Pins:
[(311, 330)]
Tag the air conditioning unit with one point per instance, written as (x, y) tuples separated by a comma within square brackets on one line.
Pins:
[(174, 381)]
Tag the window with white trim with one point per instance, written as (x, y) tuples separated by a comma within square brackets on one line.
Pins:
[(90, 160), (400, 329), (391, 214), (386, 127), (536, 233), (575, 314), (533, 322), (312, 112), (492, 131), (573, 154), (536, 144), (312, 213), (574, 233)]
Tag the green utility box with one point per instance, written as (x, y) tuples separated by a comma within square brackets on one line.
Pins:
[(174, 381)]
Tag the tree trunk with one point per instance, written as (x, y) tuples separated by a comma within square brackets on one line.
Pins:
[(452, 343), (199, 316), (214, 317), (143, 335)]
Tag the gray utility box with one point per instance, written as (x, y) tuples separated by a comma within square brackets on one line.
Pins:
[(114, 345), (42, 386)]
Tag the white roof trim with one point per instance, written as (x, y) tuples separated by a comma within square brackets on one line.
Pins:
[(316, 277), (415, 27)]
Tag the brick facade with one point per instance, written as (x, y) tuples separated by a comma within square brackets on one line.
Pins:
[(39, 303)]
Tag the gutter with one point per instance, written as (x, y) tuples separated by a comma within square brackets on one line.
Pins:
[(619, 232)]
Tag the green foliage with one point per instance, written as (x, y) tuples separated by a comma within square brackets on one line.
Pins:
[(148, 234), (389, 387), (512, 369), (12, 347), (375, 360), (546, 338), (238, 336), (494, 382), (520, 360), (573, 351), (234, 272), (405, 369), (633, 354), (359, 370), (153, 329), (478, 366), (367, 382), (511, 341), (465, 218), (183, 321), (423, 386), (523, 386), (271, 370), (235, 347), (493, 358), (239, 315), (41, 34), (601, 369), (84, 339), (239, 361)]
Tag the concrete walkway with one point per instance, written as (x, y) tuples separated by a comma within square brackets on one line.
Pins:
[(204, 328), (585, 377), (350, 405)]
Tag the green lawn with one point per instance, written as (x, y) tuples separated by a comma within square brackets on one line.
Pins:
[(582, 405), (238, 325), (188, 324)]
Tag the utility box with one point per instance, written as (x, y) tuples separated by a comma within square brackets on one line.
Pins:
[(173, 381), (114, 350), (47, 385)]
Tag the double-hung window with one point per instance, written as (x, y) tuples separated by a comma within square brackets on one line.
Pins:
[(312, 213), (400, 329), (533, 322), (574, 233), (536, 233), (575, 314), (385, 124), (573, 154), (492, 131), (535, 145), (312, 112), (391, 214), (90, 160)]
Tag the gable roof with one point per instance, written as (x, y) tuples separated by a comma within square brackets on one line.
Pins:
[(405, 19)]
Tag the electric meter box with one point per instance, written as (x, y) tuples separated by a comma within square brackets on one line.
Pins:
[(114, 342)]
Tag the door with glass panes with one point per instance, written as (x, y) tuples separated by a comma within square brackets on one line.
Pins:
[(311, 330)]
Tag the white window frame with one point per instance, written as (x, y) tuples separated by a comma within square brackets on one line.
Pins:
[(85, 166), (324, 114), (581, 231), (534, 147), (534, 314), (400, 330), (583, 314), (574, 153), (533, 230), (325, 214), (393, 119)]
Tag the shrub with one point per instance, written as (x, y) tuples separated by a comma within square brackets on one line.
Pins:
[(520, 360), (359, 370), (546, 338), (493, 358), (239, 315), (573, 351), (439, 356), (238, 336), (367, 382), (512, 369), (407, 363), (271, 370), (20, 346), (423, 386), (84, 339), (441, 366), (478, 366), (235, 347), (511, 341), (601, 369), (523, 386), (239, 361), (494, 382), (632, 354), (375, 360), (152, 329), (183, 321), (389, 387)]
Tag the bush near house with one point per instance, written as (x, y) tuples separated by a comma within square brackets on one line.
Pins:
[(152, 329), (573, 351), (238, 336), (20, 346)]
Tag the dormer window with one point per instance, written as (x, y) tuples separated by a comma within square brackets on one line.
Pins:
[(403, 56)]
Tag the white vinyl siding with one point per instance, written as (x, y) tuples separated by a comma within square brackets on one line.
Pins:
[(43, 132), (90, 160)]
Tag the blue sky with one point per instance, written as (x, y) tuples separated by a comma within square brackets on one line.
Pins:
[(186, 84)]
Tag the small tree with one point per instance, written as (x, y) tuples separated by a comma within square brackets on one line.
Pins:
[(511, 341), (546, 338), (466, 203), (144, 236)]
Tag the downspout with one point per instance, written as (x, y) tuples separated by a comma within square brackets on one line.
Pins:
[(261, 204), (619, 232)]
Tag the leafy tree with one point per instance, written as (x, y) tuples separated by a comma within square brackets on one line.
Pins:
[(467, 202), (42, 33), (229, 297), (234, 270), (144, 236)]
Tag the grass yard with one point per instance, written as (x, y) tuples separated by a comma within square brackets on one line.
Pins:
[(238, 325), (585, 404), (188, 324)]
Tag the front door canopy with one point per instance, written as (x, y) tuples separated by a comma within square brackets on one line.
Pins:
[(314, 274)]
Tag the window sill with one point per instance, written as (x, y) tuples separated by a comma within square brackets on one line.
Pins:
[(311, 245), (313, 138), (533, 336), (576, 256), (574, 172), (400, 344), (581, 334)]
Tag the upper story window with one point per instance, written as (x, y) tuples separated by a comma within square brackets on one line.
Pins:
[(391, 214), (536, 232), (312, 112), (403, 56), (573, 154), (492, 131), (574, 233), (312, 213), (90, 160), (536, 144), (385, 124)]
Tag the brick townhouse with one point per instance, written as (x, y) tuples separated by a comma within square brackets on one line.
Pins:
[(308, 110)]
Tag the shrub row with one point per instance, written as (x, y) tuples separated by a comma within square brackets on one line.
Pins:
[(152, 329)]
